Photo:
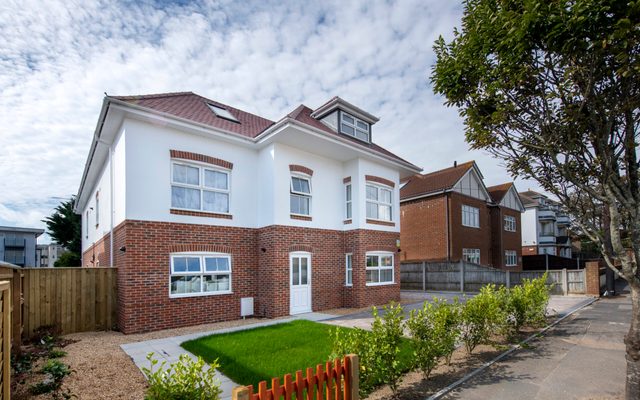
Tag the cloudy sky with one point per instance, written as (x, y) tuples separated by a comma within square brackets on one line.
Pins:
[(57, 59)]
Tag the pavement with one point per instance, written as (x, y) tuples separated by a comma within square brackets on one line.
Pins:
[(583, 357)]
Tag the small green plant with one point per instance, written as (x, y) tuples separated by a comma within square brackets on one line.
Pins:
[(22, 363), (360, 342), (54, 371), (479, 317), (57, 353), (182, 380), (537, 292)]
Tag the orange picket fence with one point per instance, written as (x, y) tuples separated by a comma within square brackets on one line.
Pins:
[(337, 380)]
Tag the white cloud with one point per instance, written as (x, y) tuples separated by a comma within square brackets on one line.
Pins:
[(57, 59)]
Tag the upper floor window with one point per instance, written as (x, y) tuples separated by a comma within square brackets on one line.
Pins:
[(205, 273), (300, 195), (510, 258), (470, 216), (471, 255), (348, 202), (352, 126), (86, 225), (379, 268), (195, 187), (97, 208), (379, 200), (509, 223)]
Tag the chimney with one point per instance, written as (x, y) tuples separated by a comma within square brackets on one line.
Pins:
[(455, 164)]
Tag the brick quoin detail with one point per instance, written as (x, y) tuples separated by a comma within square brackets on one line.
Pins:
[(376, 222), (211, 248), (347, 180), (200, 214), (301, 217), (300, 168), (185, 155), (144, 274), (373, 178)]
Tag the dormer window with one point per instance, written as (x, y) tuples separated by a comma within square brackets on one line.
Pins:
[(222, 113), (352, 126)]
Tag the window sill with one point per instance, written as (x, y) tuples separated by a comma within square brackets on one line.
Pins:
[(180, 296), (380, 222), (348, 285), (301, 217), (381, 284), (347, 221), (469, 226), (193, 213)]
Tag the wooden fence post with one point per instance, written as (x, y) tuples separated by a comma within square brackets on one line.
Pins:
[(354, 372), (6, 340), (462, 276), (565, 282), (240, 393), (424, 277)]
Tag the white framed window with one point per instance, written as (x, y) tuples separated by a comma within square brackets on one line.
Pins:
[(196, 274), (97, 208), (348, 203), (379, 200), (471, 255), (200, 188), (509, 223), (510, 258), (379, 268), (300, 198), (86, 225), (348, 279), (470, 216), (352, 126)]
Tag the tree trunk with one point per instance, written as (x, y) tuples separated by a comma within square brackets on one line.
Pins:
[(632, 340)]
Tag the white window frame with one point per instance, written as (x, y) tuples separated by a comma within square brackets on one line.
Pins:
[(201, 273), (301, 194), (378, 202), (348, 201), (509, 223), (201, 187), (86, 225), (511, 255), (348, 274), (470, 216), (469, 255), (97, 208), (379, 268), (356, 128)]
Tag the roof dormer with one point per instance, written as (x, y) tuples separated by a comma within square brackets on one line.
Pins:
[(346, 119)]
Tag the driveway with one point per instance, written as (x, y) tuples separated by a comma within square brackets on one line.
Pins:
[(580, 358)]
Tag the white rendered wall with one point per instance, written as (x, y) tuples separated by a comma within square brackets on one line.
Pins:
[(530, 227)]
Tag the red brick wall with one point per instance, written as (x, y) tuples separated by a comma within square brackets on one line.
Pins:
[(592, 277), (529, 250), (502, 240), (97, 255), (467, 237), (423, 234), (260, 269)]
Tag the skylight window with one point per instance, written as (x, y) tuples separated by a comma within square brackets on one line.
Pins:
[(223, 113), (352, 126)]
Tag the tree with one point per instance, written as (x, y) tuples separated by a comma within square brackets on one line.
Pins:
[(68, 259), (64, 226), (552, 88)]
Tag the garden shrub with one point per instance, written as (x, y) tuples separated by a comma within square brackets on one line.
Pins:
[(525, 304), (377, 350), (479, 317), (183, 380), (537, 292)]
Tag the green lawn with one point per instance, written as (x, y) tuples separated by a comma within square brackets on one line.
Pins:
[(250, 356)]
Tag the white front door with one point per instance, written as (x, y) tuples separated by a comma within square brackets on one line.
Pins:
[(300, 280)]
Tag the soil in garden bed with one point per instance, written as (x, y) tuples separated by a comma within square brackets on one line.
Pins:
[(414, 386)]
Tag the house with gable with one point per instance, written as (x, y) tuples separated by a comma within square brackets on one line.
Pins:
[(450, 215), (210, 212)]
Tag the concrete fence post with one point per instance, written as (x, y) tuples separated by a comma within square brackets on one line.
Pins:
[(240, 393), (424, 277), (565, 282), (462, 276), (508, 279)]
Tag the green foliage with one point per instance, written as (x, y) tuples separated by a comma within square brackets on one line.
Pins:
[(479, 317), (379, 351), (434, 331), (57, 353), (22, 363), (537, 292), (525, 304), (64, 226), (183, 380), (55, 371), (68, 259)]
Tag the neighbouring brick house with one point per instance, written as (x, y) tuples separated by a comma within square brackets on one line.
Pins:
[(203, 206), (449, 215)]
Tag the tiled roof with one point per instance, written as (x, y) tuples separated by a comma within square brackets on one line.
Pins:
[(437, 181), (193, 107), (498, 192)]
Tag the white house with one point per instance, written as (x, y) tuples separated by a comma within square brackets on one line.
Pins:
[(544, 226)]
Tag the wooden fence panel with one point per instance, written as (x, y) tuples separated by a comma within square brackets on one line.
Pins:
[(72, 299), (5, 340)]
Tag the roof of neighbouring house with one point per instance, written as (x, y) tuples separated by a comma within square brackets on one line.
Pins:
[(193, 107), (498, 192), (442, 180)]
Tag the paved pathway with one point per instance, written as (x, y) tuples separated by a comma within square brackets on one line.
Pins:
[(580, 358)]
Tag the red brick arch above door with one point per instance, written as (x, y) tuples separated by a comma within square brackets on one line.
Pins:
[(209, 248)]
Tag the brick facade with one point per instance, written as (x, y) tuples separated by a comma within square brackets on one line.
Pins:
[(503, 240), (260, 269), (423, 229)]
